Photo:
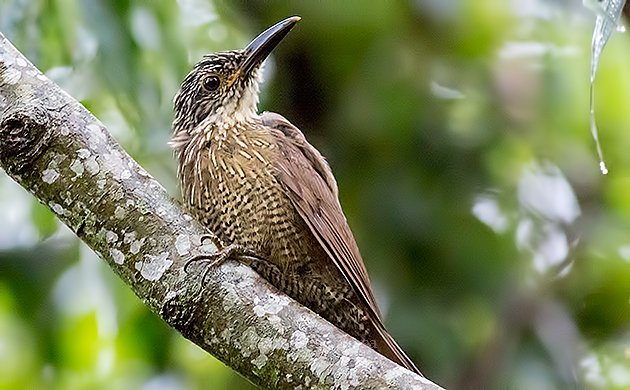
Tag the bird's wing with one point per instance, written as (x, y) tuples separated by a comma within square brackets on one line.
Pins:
[(312, 189)]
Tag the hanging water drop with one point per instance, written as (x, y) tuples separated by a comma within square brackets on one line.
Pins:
[(594, 131)]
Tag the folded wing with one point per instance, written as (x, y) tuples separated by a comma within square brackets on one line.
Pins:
[(317, 202)]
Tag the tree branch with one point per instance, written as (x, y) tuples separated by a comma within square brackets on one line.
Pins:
[(53, 147)]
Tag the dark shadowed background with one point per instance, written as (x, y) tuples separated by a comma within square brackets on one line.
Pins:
[(458, 132)]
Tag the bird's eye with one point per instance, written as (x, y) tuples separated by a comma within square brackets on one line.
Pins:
[(211, 83)]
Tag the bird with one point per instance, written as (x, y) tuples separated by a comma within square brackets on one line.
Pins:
[(268, 195)]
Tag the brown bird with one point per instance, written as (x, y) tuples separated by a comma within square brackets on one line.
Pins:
[(255, 181)]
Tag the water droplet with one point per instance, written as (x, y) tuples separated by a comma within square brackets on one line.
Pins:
[(595, 132)]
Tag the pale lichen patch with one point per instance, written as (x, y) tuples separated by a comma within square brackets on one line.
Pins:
[(396, 372), (354, 348), (136, 245), (77, 167), (6, 57), (129, 237), (348, 378), (352, 357), (57, 208), (248, 342), (321, 367), (92, 166), (94, 128), (67, 196), (231, 297), (50, 175), (272, 305), (342, 374), (117, 256), (153, 267), (298, 339), (246, 282), (120, 212), (113, 163), (101, 184), (83, 153), (260, 361), (111, 236), (170, 295), (360, 361), (226, 335), (267, 345), (19, 61), (182, 244), (299, 351), (95, 133), (211, 336)]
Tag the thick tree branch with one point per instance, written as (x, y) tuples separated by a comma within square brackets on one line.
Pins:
[(58, 151)]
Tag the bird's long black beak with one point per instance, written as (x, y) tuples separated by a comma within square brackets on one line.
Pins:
[(262, 45)]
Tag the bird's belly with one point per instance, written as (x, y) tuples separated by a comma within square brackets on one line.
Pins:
[(250, 209)]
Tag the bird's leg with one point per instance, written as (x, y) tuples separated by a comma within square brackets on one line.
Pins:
[(234, 251)]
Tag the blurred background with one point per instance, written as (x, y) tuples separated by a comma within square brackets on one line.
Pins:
[(458, 131)]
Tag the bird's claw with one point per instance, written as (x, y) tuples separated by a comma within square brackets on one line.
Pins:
[(234, 251)]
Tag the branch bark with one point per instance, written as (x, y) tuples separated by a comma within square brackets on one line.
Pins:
[(52, 146)]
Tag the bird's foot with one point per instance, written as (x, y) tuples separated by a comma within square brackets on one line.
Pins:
[(224, 252)]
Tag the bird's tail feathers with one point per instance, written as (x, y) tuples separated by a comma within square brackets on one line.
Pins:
[(386, 345)]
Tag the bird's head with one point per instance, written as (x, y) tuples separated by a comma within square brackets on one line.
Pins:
[(224, 86)]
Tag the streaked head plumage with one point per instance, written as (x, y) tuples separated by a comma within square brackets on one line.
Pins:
[(223, 87), (216, 90)]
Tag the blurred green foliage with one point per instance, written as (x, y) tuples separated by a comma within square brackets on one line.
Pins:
[(458, 133)]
